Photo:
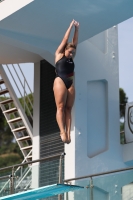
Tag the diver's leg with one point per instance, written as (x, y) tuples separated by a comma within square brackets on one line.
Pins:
[(60, 93), (68, 108)]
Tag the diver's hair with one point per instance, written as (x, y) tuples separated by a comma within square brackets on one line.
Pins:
[(70, 45)]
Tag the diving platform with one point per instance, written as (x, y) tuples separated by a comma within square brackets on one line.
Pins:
[(42, 192)]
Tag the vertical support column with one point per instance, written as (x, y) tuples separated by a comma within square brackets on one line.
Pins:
[(36, 126), (91, 188), (60, 175)]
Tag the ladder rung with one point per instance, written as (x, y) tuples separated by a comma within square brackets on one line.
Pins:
[(26, 148), (1, 81), (6, 101), (10, 110), (29, 157), (14, 120), (3, 91), (24, 138), (19, 129)]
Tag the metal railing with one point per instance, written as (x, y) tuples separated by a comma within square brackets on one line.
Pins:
[(9, 176), (17, 77), (91, 176), (98, 174), (68, 181), (12, 176)]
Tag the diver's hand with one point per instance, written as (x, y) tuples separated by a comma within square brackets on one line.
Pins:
[(76, 24), (72, 23)]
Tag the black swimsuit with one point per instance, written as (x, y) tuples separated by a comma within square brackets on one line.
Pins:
[(65, 70)]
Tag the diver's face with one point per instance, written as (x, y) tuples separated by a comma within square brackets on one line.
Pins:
[(69, 53)]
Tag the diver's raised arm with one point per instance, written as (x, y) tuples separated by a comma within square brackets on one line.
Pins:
[(62, 45)]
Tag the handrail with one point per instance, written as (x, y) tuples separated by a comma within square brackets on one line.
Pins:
[(5, 177), (23, 86), (98, 174), (34, 161), (25, 79), (12, 176), (14, 172)]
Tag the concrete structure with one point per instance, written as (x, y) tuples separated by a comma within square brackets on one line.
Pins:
[(96, 107), (37, 28), (33, 33)]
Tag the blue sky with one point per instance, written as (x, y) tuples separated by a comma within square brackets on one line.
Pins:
[(125, 41), (28, 70)]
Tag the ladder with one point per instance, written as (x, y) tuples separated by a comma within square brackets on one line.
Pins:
[(15, 116)]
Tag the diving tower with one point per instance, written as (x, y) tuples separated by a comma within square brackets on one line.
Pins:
[(32, 33)]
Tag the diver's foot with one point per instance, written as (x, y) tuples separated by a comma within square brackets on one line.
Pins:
[(63, 137), (68, 139)]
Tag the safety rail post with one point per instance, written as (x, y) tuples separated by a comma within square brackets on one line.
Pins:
[(67, 192), (91, 188), (60, 172), (12, 182)]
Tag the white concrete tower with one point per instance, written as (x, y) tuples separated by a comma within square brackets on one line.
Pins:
[(95, 130)]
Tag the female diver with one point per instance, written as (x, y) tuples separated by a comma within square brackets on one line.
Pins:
[(63, 87)]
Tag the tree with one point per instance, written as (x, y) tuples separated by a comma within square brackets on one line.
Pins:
[(9, 150), (25, 102), (6, 135), (123, 101)]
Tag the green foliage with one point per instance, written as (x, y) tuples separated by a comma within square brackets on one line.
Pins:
[(121, 126), (122, 133), (9, 159), (6, 135), (12, 147), (26, 104), (27, 99), (123, 101)]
